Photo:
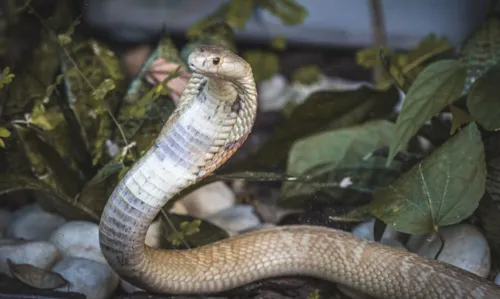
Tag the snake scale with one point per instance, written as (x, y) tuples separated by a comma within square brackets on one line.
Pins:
[(213, 118)]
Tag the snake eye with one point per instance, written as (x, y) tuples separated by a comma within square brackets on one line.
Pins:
[(216, 60)]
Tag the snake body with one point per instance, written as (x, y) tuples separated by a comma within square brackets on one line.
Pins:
[(213, 118)]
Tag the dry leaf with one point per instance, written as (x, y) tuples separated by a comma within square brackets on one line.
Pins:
[(36, 277)]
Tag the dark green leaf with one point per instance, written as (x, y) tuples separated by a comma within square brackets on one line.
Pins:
[(483, 99), (111, 168), (60, 202), (362, 213), (443, 189), (207, 234), (337, 155), (481, 50), (342, 148), (437, 86), (322, 111), (460, 118)]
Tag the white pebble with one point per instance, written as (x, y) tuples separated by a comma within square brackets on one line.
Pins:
[(93, 279), (236, 219), (464, 247), (208, 200), (78, 239), (33, 224)]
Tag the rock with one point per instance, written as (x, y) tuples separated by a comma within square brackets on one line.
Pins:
[(95, 280), (208, 200), (154, 235), (40, 254), (365, 230), (34, 224), (78, 239), (271, 93), (464, 246), (26, 210), (236, 219), (129, 288), (5, 218)]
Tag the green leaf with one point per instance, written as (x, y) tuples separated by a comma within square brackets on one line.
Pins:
[(58, 201), (443, 189), (339, 154), (278, 42), (362, 213), (239, 12), (290, 12), (4, 132), (460, 117), (264, 63), (190, 228), (322, 111), (343, 147), (483, 99), (437, 86), (481, 50), (111, 168), (6, 77), (308, 74), (193, 231)]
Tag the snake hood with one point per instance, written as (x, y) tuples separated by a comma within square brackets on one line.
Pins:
[(217, 62)]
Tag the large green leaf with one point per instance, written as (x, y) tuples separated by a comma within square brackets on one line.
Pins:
[(481, 50), (438, 85), (443, 189), (343, 147), (50, 197), (483, 99), (329, 157), (322, 111)]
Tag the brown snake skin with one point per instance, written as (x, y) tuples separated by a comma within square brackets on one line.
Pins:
[(213, 118)]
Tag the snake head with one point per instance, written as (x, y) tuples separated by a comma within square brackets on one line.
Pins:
[(218, 62)]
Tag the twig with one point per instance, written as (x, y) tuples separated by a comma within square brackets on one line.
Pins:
[(379, 32)]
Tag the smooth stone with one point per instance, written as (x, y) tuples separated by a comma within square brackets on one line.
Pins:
[(497, 279), (236, 219), (5, 219), (26, 209), (155, 235), (40, 254), (365, 230), (34, 224), (464, 246), (78, 239), (209, 200), (271, 93), (129, 288), (95, 280)]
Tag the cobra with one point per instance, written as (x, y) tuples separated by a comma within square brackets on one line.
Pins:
[(211, 121)]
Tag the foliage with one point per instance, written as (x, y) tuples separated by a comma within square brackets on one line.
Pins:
[(437, 86), (402, 67), (6, 77), (4, 133), (443, 189), (186, 229), (308, 74), (237, 13), (79, 126)]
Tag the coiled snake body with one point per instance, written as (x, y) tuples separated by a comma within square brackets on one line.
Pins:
[(213, 118)]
